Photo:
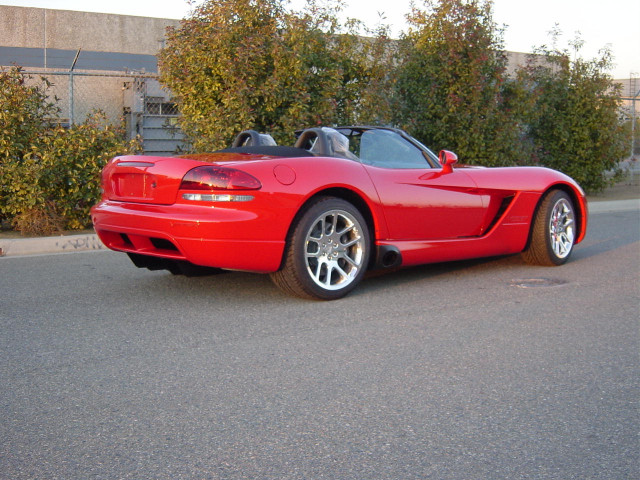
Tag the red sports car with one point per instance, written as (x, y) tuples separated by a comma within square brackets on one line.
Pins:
[(318, 215)]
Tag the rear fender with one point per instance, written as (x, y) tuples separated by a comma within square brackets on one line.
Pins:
[(350, 196)]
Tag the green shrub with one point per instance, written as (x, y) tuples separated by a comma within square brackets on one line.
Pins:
[(71, 165), (49, 175), (20, 187), (452, 89), (25, 114), (244, 64), (575, 123)]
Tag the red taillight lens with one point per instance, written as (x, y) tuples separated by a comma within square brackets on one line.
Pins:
[(218, 178)]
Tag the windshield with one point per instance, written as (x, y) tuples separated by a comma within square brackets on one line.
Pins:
[(388, 148)]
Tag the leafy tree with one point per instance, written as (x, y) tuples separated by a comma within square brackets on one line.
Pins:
[(452, 90), (238, 64), (575, 124)]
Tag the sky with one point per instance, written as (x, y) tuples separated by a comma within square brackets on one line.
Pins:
[(613, 23)]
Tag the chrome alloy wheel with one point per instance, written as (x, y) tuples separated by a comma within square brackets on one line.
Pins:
[(334, 249), (561, 225)]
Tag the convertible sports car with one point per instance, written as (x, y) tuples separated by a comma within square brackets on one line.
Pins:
[(318, 215)]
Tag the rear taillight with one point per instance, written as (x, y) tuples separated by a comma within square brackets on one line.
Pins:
[(211, 178), (104, 182)]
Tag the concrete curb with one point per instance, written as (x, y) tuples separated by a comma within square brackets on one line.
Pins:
[(13, 247), (614, 206), (42, 245)]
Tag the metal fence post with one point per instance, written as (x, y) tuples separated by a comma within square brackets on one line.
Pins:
[(71, 119), (71, 102)]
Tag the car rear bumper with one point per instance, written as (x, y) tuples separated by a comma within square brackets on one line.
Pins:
[(213, 237)]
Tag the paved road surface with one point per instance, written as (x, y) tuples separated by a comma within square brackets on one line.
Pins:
[(475, 370)]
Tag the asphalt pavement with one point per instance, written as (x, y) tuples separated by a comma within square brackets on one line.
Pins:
[(484, 369)]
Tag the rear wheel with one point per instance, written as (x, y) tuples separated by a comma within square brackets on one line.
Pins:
[(327, 253), (553, 231)]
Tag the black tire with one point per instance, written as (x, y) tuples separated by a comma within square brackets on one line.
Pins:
[(552, 231), (327, 252)]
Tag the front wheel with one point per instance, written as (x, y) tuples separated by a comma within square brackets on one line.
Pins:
[(553, 231), (327, 252)]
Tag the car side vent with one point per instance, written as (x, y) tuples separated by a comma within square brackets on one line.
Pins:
[(506, 201)]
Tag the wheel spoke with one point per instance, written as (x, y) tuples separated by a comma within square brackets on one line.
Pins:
[(346, 229), (318, 268), (327, 276), (334, 224), (323, 226), (343, 275), (351, 243), (311, 233), (566, 241), (346, 257), (322, 269)]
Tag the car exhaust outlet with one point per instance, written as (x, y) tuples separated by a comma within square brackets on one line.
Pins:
[(388, 256)]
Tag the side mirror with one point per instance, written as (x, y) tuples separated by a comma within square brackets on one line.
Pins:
[(447, 160)]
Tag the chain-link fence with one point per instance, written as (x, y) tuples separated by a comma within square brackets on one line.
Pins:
[(136, 98), (149, 113)]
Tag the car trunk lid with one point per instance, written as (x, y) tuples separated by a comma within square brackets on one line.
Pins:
[(155, 180)]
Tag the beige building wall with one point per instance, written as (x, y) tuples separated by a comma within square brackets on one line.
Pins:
[(64, 29), (100, 32)]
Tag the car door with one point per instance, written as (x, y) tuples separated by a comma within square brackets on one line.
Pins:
[(420, 202)]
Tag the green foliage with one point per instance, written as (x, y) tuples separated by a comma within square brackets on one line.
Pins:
[(575, 124), (218, 65), (20, 189), (378, 53), (452, 90), (24, 113), (71, 165), (49, 175), (238, 64)]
